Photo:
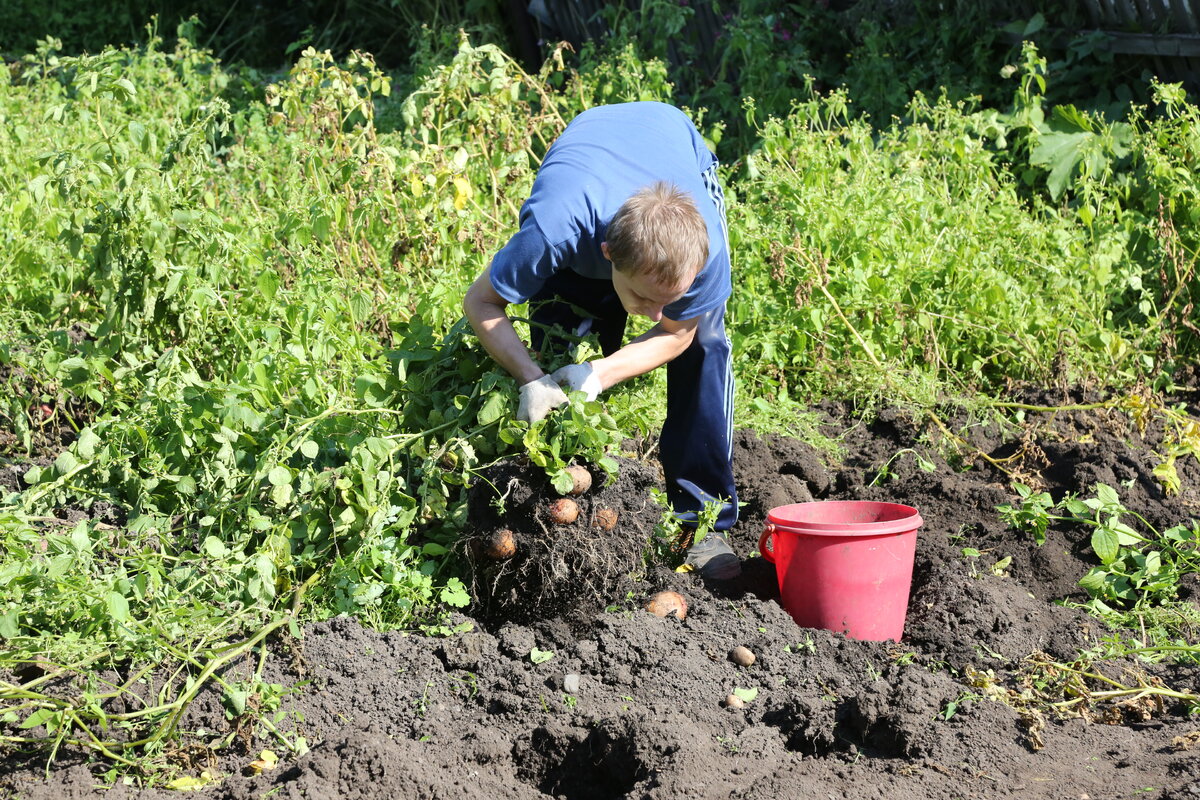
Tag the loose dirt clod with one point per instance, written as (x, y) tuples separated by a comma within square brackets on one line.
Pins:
[(742, 656), (563, 511), (667, 604)]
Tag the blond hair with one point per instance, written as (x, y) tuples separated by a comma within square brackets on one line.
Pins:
[(658, 232)]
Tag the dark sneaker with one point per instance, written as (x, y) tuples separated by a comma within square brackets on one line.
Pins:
[(713, 558)]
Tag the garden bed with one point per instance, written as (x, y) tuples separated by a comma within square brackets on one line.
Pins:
[(602, 699)]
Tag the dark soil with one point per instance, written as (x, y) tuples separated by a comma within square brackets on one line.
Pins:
[(633, 705)]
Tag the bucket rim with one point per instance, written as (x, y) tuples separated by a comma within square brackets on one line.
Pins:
[(908, 519)]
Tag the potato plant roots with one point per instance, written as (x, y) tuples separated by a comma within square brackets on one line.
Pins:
[(557, 567)]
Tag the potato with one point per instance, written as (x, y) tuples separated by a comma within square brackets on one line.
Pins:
[(742, 656), (501, 545), (606, 519), (582, 480), (564, 511), (667, 604), (733, 701)]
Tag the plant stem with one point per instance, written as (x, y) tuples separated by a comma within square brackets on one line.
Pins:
[(1049, 409)]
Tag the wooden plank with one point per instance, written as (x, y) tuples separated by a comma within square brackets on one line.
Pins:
[(1163, 8), (1174, 45), (1095, 12), (1149, 17), (1182, 16), (1124, 12)]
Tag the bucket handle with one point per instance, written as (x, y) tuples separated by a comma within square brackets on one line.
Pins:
[(768, 530)]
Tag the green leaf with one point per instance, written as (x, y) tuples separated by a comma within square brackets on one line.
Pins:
[(215, 547), (279, 476), (1107, 495), (236, 699), (118, 606), (1126, 536), (265, 570), (540, 656), (493, 408), (1094, 582), (37, 187), (745, 695), (65, 463), (268, 283), (1104, 542), (361, 306), (562, 481), (372, 391), (1061, 153), (1078, 508), (86, 444), (10, 624), (40, 717), (455, 594), (281, 495), (310, 449)]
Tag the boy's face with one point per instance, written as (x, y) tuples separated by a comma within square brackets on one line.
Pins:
[(641, 296)]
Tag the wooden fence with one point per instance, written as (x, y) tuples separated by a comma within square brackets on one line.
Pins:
[(1164, 34)]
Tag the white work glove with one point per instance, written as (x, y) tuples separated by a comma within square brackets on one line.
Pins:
[(578, 378), (538, 398)]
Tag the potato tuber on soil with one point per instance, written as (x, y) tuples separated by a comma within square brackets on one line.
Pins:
[(666, 604), (742, 656), (733, 701), (501, 545), (581, 480), (606, 519), (564, 511)]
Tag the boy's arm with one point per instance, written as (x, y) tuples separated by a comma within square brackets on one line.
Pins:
[(485, 311), (666, 341)]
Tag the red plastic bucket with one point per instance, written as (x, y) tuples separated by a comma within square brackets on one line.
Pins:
[(844, 565)]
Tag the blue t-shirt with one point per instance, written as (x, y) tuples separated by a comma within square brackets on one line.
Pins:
[(602, 158)]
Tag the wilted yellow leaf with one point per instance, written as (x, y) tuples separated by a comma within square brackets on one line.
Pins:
[(266, 760), (1168, 476), (462, 193), (190, 784)]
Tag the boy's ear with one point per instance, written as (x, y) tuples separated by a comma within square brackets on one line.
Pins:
[(604, 250)]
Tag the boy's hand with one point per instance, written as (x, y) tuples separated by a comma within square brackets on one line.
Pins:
[(539, 398), (578, 378)]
